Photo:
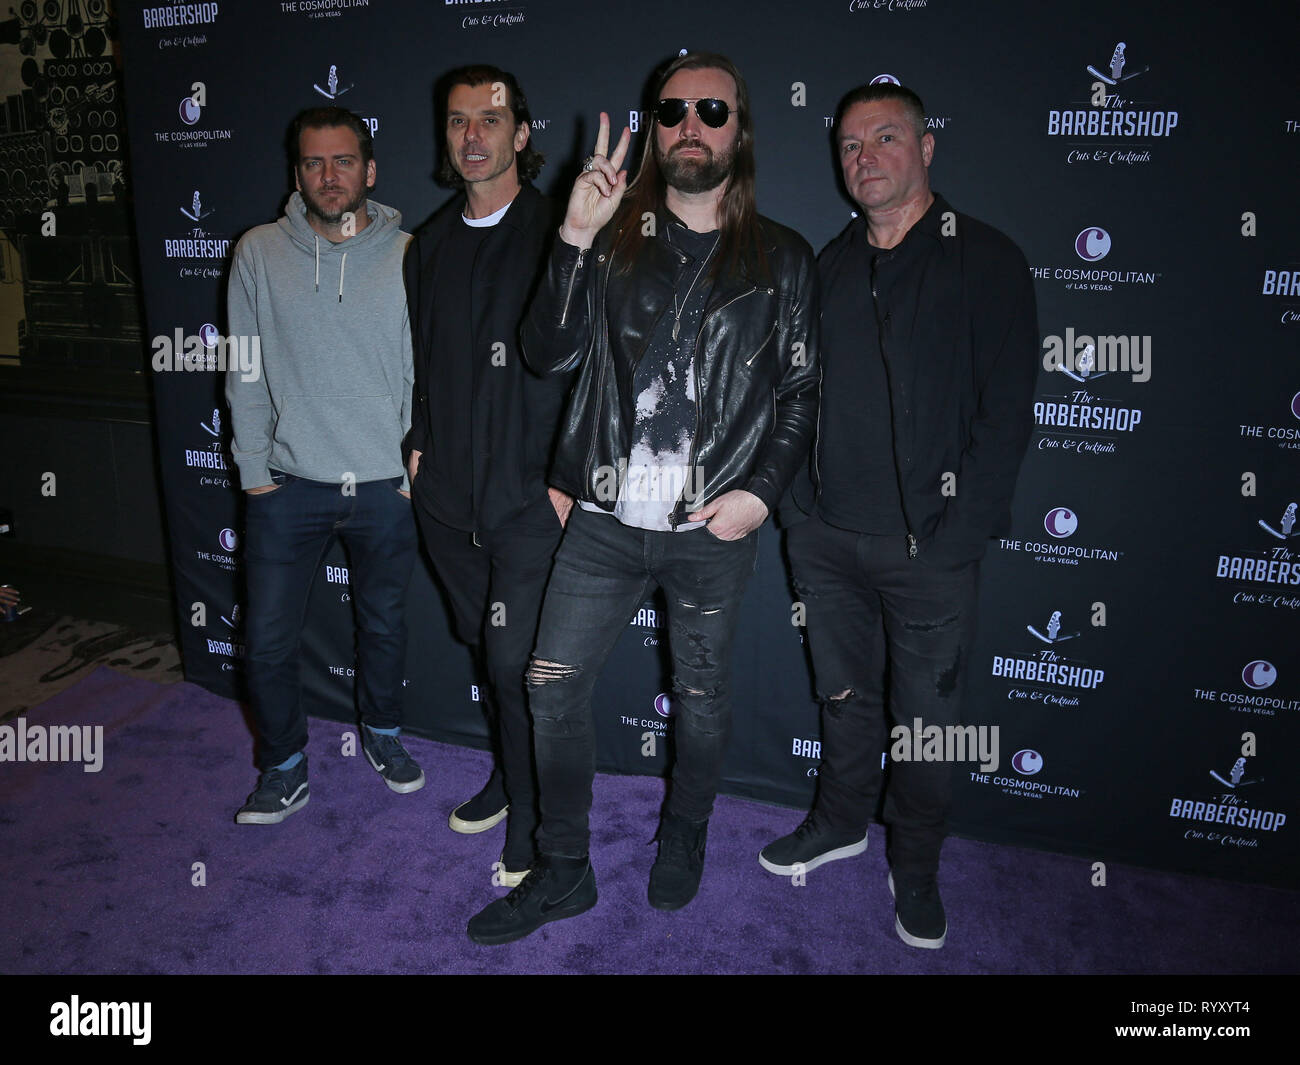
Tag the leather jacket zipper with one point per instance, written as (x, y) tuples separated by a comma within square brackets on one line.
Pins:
[(568, 295)]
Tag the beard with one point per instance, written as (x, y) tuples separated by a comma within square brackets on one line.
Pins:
[(317, 210), (697, 175)]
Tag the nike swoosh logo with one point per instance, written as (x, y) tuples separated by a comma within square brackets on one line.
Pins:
[(548, 905)]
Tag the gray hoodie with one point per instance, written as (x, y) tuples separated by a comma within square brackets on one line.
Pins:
[(333, 397)]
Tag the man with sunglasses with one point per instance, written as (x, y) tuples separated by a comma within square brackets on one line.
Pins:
[(690, 322), (930, 343)]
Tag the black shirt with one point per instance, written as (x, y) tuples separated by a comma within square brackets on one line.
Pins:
[(445, 486)]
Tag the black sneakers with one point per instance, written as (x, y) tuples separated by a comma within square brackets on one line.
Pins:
[(555, 888), (280, 792), (482, 812), (808, 846), (675, 877), (918, 911), (389, 757)]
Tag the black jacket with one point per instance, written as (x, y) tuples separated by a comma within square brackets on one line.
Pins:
[(515, 412), (962, 395), (756, 368)]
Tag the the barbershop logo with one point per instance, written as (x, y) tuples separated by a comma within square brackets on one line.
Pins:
[(650, 621), (1043, 673), (195, 251), (211, 456), (1105, 128), (891, 6), (1118, 60), (1266, 575), (1080, 421), (1027, 763), (230, 644), (177, 15), (486, 14), (1223, 818), (1092, 244), (1284, 282), (333, 87), (1060, 524)]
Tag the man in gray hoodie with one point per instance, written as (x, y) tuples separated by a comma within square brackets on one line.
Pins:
[(318, 435)]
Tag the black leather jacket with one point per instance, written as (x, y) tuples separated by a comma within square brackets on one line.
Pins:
[(757, 374)]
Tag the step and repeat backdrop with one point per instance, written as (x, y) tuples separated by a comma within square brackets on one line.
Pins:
[(1139, 626)]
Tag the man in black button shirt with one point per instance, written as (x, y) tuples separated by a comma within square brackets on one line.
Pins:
[(690, 321), (930, 350), (483, 427)]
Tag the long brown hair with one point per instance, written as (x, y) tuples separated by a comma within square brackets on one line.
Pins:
[(741, 247)]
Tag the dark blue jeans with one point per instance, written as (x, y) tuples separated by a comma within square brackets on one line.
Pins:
[(288, 532), (603, 572), (896, 635)]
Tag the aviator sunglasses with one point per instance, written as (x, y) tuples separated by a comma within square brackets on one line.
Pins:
[(713, 113)]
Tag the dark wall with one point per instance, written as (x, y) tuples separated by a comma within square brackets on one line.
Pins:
[(1133, 503)]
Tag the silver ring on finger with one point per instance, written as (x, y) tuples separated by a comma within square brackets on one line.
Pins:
[(589, 164)]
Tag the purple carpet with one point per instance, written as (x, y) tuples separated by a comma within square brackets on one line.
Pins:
[(98, 871)]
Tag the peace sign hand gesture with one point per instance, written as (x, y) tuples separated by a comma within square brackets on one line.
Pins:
[(598, 190)]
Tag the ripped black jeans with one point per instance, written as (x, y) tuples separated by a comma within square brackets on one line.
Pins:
[(891, 639), (603, 572)]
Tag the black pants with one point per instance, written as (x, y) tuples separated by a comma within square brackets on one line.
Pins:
[(896, 635), (603, 572), (495, 590)]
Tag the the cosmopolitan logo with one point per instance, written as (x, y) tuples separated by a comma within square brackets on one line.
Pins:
[(1267, 576), (314, 9), (1093, 244), (1257, 678), (228, 541), (179, 15), (1025, 784), (192, 131), (207, 351), (1287, 436), (931, 121), (1106, 129), (1060, 524)]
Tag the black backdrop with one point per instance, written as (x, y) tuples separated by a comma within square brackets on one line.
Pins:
[(1148, 509)]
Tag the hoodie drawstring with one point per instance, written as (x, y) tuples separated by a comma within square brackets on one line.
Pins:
[(316, 242), (342, 267)]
